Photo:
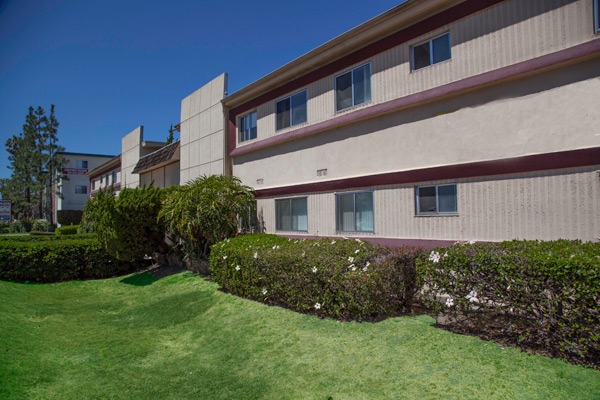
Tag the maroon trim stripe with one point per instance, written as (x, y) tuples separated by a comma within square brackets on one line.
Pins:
[(444, 18), (453, 88), (538, 162)]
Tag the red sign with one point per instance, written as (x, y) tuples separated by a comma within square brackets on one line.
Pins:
[(75, 171)]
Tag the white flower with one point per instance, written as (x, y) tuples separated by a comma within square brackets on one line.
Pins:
[(449, 302), (358, 240), (445, 255), (224, 257), (237, 267), (314, 270), (333, 242), (352, 267), (365, 269), (264, 291), (303, 253), (472, 296), (472, 242), (368, 263), (434, 256), (357, 251), (255, 254), (351, 259), (317, 306)]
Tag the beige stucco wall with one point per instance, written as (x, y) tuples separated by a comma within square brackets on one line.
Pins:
[(130, 155), (202, 131), (101, 182), (546, 205), (552, 112), (165, 176), (502, 35)]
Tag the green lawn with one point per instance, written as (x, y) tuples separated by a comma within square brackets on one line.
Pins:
[(179, 337)]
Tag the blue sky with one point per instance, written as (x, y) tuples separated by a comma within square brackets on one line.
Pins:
[(111, 65)]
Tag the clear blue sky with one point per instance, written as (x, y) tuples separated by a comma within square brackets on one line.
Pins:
[(111, 65)]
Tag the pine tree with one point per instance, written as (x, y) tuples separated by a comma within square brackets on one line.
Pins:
[(34, 162)]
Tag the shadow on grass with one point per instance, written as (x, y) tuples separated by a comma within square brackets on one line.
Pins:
[(143, 279)]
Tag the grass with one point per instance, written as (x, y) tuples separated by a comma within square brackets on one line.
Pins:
[(178, 337)]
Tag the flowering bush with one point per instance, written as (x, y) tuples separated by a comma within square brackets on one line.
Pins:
[(343, 279), (545, 294)]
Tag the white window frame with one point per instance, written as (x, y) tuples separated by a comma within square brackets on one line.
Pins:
[(81, 164), (291, 110), (81, 187), (437, 200), (352, 71), (242, 137), (430, 42), (290, 199), (338, 223), (597, 16)]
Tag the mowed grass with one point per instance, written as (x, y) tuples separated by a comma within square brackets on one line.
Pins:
[(180, 338)]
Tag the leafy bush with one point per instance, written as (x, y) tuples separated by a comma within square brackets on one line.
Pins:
[(46, 236), (343, 279), (40, 225), (41, 233), (4, 227), (69, 217), (206, 210), (67, 230), (57, 260), (86, 225), (22, 225), (543, 294), (127, 226)]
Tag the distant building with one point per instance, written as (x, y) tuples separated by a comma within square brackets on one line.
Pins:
[(75, 190), (106, 175)]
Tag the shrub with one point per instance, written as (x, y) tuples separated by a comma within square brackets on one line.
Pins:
[(67, 230), (57, 260), (543, 294), (206, 210), (46, 236), (127, 226), (69, 217), (40, 225), (343, 279), (4, 227), (22, 225)]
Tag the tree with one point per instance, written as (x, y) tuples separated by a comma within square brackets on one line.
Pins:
[(170, 138), (206, 210), (35, 164)]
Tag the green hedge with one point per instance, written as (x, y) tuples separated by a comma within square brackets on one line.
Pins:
[(45, 236), (543, 294), (57, 260), (67, 230), (69, 217), (339, 278)]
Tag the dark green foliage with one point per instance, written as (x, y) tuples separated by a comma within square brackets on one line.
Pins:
[(339, 278), (46, 236), (69, 217), (41, 233), (4, 227), (40, 225), (205, 211), (545, 294), (57, 260), (67, 230), (22, 225), (127, 226)]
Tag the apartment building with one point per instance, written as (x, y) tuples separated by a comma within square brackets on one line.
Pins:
[(436, 121)]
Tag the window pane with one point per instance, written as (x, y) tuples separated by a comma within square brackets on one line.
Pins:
[(283, 113), (447, 198), (252, 126), (343, 91), (362, 84), (441, 48), (421, 56), (345, 212), (299, 108), (283, 215), (364, 211), (299, 215), (426, 199)]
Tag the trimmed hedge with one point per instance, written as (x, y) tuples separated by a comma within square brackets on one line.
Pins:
[(69, 217), (57, 260), (45, 236), (338, 278), (67, 230), (543, 294)]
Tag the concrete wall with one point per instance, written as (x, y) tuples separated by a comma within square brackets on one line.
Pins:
[(544, 205), (202, 131), (131, 151), (165, 176), (505, 34), (102, 182)]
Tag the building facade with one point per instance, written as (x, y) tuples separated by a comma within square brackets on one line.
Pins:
[(437, 121), (106, 175)]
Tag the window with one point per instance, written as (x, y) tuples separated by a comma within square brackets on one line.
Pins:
[(291, 214), (440, 199), (354, 212), (82, 164), (291, 110), (114, 176), (431, 52), (248, 127), (597, 16), (80, 189), (93, 184), (353, 87), (107, 179)]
